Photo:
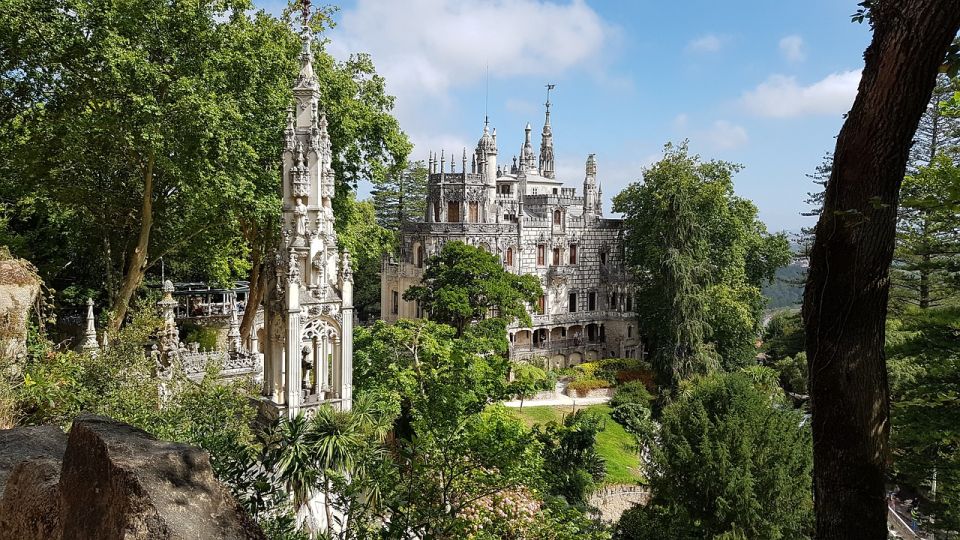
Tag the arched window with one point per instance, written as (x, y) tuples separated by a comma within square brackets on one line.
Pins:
[(419, 256), (556, 217), (508, 258)]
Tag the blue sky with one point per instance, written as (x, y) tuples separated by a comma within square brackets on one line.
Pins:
[(760, 83)]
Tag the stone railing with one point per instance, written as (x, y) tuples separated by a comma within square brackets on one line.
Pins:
[(195, 363)]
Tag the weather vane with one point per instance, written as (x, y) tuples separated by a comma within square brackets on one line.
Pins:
[(549, 88)]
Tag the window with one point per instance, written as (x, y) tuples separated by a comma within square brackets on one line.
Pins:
[(629, 302), (554, 191), (592, 301), (474, 212), (572, 305), (436, 213), (541, 305), (556, 257), (603, 257), (395, 309), (630, 331), (541, 254), (557, 217), (573, 254), (419, 260), (508, 258), (613, 301), (453, 212)]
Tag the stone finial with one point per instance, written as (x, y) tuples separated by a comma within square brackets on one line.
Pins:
[(90, 336), (234, 343)]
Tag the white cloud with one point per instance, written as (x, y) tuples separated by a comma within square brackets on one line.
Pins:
[(722, 135), (680, 121), (707, 43), (426, 49), (791, 47), (781, 96)]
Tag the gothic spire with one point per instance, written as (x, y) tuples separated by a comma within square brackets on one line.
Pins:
[(547, 169)]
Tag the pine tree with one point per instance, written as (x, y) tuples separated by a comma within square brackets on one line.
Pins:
[(401, 197)]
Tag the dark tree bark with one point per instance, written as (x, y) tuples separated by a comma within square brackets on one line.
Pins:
[(845, 301)]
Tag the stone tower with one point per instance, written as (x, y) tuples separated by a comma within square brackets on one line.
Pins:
[(591, 193), (308, 309)]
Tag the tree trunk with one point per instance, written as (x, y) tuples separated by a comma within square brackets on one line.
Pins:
[(137, 264), (845, 301), (257, 286)]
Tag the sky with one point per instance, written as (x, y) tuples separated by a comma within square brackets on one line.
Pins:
[(760, 83)]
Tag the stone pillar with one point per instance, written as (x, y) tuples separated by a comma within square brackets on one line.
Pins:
[(292, 378)]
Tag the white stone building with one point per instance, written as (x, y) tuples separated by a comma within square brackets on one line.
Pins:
[(308, 309), (526, 217)]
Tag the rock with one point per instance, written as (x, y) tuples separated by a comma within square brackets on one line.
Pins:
[(109, 480), (120, 482), (30, 507), (19, 288), (24, 443)]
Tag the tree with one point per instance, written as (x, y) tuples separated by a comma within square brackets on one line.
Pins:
[(572, 466), (730, 460), (528, 379), (367, 242), (926, 264), (924, 361), (463, 284), (845, 300), (138, 131), (401, 196), (699, 256)]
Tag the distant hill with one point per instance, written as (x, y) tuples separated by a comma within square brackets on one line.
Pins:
[(786, 290)]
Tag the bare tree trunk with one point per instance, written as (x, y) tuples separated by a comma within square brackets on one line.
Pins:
[(845, 301), (137, 264), (257, 286)]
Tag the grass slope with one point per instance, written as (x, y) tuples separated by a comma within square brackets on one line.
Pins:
[(614, 444)]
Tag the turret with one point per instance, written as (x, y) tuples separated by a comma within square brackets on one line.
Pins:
[(591, 195), (527, 157), (486, 155)]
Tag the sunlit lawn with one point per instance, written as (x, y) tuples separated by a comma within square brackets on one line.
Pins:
[(614, 444)]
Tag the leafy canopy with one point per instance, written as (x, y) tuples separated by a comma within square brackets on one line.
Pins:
[(463, 284)]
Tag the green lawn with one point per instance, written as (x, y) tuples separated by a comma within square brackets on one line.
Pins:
[(614, 444)]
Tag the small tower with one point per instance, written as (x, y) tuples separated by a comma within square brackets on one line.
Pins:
[(591, 195), (547, 168), (90, 336), (308, 311), (527, 157)]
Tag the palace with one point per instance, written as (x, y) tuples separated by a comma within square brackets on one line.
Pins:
[(534, 225)]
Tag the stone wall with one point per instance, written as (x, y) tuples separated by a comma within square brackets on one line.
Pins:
[(613, 501), (109, 480)]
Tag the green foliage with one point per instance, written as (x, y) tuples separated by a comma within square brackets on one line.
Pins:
[(926, 270), (572, 466), (786, 289), (633, 392), (792, 371), (731, 459), (161, 124), (924, 363), (367, 242), (528, 380), (699, 255), (204, 335), (783, 335), (582, 387), (636, 419), (464, 284), (401, 195)]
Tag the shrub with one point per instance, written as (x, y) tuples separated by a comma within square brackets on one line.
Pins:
[(635, 418), (583, 386), (205, 336), (634, 392)]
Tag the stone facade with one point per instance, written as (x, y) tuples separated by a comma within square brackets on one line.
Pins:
[(308, 309), (534, 225)]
